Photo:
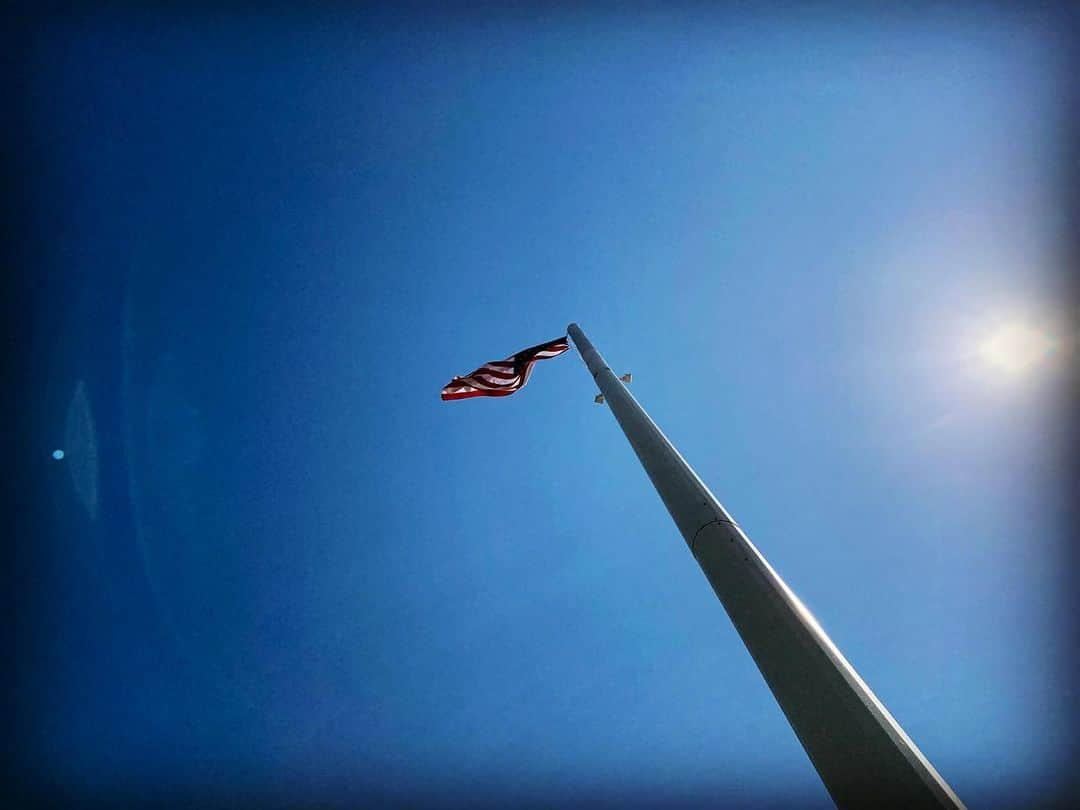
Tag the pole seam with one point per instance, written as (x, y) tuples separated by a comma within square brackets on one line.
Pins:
[(717, 521)]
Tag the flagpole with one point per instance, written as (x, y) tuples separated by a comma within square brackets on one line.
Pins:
[(860, 752)]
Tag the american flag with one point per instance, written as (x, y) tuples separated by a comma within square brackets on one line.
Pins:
[(500, 378)]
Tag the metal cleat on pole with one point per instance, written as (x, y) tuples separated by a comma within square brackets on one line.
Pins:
[(626, 378)]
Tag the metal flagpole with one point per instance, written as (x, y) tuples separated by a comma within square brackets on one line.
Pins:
[(859, 750)]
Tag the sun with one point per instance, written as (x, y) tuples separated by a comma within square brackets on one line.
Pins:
[(1016, 348)]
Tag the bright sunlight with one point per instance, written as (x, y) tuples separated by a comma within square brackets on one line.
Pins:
[(1016, 348)]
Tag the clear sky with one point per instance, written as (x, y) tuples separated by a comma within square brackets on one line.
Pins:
[(276, 565)]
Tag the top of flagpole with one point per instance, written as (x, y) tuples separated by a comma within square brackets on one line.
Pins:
[(593, 359)]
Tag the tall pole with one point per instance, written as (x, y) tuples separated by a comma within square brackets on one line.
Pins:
[(860, 752)]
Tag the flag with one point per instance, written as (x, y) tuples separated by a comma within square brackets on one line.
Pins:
[(500, 378)]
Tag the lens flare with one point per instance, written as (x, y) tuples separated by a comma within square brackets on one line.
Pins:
[(1016, 348)]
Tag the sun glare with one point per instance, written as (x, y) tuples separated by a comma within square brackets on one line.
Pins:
[(1016, 348)]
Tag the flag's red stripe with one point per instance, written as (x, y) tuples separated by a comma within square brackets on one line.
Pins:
[(549, 351), (479, 376), (497, 379), (467, 394), (483, 386), (486, 369), (551, 344)]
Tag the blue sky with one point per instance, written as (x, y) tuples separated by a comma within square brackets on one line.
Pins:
[(280, 566)]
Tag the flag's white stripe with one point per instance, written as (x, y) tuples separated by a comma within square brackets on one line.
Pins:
[(497, 370), (491, 384), (493, 380)]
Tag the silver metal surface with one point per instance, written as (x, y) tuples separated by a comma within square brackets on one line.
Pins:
[(862, 755)]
